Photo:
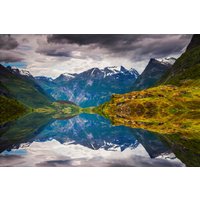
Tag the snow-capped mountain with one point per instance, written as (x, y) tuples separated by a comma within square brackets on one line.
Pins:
[(166, 61), (64, 77), (95, 86), (69, 75), (155, 69), (134, 72), (92, 87), (109, 71), (101, 73), (18, 71)]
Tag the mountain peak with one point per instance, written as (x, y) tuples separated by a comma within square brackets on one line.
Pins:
[(65, 77), (18, 71), (112, 70), (69, 75), (123, 69), (116, 68), (166, 61), (154, 70), (134, 71)]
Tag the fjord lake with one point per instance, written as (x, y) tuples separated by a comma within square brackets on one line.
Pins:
[(83, 140), (81, 110)]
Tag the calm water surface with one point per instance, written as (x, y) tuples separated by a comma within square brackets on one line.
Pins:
[(84, 140)]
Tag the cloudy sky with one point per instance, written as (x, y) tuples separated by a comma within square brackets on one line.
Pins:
[(51, 55)]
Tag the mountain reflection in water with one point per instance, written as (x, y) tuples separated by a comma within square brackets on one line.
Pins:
[(85, 140)]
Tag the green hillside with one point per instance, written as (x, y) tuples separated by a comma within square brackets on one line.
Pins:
[(23, 89), (187, 66), (19, 94)]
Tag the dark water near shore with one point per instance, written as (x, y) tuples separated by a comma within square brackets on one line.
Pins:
[(84, 140)]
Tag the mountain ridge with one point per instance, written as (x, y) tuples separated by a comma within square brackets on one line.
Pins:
[(93, 86), (23, 88), (186, 67), (154, 70)]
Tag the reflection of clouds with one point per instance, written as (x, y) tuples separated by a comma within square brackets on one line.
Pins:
[(52, 153)]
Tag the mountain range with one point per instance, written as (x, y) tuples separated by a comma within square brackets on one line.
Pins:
[(170, 108), (95, 86), (91, 87)]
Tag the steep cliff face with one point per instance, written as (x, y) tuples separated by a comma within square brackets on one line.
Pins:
[(155, 69)]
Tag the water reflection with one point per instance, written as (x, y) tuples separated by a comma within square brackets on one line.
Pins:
[(85, 140)]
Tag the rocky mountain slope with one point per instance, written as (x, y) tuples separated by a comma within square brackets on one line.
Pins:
[(155, 69), (91, 87)]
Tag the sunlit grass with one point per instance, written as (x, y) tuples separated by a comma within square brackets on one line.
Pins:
[(163, 109)]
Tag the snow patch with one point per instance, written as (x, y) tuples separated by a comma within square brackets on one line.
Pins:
[(69, 75), (90, 82), (22, 72), (109, 71), (167, 60)]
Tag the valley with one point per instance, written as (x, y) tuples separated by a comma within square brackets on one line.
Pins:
[(161, 106)]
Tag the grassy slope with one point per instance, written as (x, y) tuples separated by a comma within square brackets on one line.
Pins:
[(186, 67), (27, 93), (19, 95), (163, 109), (23, 89), (171, 112), (64, 110)]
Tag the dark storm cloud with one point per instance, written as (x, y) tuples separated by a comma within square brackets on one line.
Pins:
[(7, 42), (156, 47), (8, 56), (54, 52), (85, 39), (136, 47), (7, 52)]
